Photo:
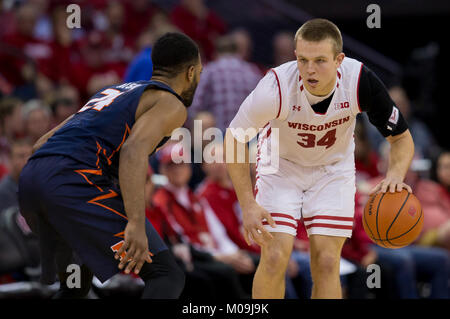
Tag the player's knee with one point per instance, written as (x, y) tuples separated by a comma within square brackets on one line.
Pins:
[(275, 261), (325, 262)]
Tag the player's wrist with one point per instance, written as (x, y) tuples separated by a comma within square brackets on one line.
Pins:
[(248, 204), (136, 221), (395, 176)]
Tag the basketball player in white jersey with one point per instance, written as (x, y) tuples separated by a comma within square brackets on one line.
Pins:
[(313, 102)]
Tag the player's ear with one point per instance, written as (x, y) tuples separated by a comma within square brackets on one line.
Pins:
[(191, 73), (339, 58)]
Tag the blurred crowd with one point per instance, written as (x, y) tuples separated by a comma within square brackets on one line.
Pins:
[(48, 71)]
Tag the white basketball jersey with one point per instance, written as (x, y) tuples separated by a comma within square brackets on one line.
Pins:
[(309, 138)]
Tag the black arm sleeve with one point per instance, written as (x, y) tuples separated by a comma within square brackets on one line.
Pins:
[(381, 110)]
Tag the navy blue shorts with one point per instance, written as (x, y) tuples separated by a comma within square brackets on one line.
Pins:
[(72, 207)]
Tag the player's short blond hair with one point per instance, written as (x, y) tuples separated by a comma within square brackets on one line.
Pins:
[(320, 29)]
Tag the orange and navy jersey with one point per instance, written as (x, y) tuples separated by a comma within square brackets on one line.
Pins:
[(95, 134)]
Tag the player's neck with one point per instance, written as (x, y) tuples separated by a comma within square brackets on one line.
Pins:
[(316, 98), (174, 83)]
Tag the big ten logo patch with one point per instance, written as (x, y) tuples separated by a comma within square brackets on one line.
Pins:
[(341, 105)]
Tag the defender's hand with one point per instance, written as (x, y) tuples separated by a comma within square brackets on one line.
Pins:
[(134, 250)]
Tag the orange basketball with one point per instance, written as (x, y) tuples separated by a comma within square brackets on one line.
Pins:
[(393, 220)]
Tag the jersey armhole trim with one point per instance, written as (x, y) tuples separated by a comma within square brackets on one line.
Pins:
[(357, 88), (279, 91)]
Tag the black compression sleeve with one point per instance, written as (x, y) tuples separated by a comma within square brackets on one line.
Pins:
[(381, 110)]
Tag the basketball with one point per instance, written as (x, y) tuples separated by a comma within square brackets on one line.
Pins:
[(393, 220)]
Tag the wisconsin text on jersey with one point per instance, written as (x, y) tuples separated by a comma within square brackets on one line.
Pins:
[(321, 127)]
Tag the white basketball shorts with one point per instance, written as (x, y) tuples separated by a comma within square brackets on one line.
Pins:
[(323, 196)]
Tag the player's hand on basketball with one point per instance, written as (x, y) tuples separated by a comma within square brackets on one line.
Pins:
[(253, 226), (134, 251), (392, 184)]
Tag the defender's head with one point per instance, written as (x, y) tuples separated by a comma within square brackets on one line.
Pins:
[(175, 55), (318, 48)]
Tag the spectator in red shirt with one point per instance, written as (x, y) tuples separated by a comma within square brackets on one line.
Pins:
[(22, 45), (198, 224), (120, 46), (65, 50), (219, 193), (93, 72), (191, 223), (203, 25), (201, 279), (138, 16), (7, 19)]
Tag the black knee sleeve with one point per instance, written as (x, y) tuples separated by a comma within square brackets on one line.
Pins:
[(163, 277)]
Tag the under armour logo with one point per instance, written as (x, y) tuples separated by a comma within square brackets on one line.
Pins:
[(296, 108)]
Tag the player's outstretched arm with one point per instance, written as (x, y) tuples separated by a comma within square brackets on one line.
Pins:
[(239, 170), (400, 157), (152, 126)]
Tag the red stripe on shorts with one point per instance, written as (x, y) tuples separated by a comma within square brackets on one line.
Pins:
[(281, 223), (346, 219), (281, 215), (329, 226)]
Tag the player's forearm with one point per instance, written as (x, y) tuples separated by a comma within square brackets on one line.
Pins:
[(239, 171), (132, 174), (401, 154)]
